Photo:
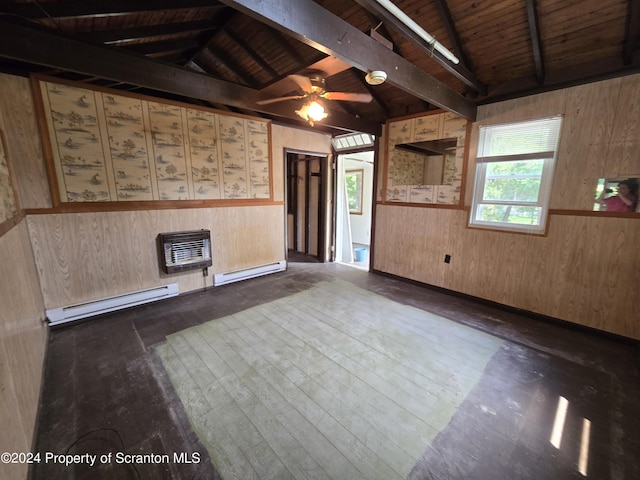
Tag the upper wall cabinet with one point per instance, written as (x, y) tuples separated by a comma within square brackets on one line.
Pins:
[(110, 146), (425, 159)]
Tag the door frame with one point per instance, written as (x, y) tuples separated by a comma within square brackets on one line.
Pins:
[(376, 166), (325, 229)]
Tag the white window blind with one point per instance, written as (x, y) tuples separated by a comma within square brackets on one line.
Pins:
[(519, 139)]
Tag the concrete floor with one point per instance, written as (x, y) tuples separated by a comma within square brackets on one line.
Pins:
[(105, 390)]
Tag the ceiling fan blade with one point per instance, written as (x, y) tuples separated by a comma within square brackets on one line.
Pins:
[(280, 99), (303, 82), (349, 97)]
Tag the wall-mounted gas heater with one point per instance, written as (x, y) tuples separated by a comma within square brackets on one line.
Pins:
[(180, 251)]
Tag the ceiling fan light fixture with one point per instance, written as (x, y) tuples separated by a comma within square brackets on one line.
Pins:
[(312, 112), (375, 77)]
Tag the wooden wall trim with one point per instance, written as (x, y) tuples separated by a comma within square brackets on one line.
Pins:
[(7, 225), (593, 213), (47, 149), (151, 205), (422, 205), (554, 211)]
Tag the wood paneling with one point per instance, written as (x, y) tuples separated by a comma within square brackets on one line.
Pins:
[(624, 148), (18, 120), (585, 270), (411, 242), (586, 135), (22, 346), (88, 256)]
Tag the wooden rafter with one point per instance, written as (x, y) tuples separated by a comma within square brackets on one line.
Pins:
[(373, 92), (41, 46), (320, 29), (633, 33), (81, 8), (242, 43), (231, 64), (122, 37), (459, 71), (159, 49), (534, 31), (452, 33)]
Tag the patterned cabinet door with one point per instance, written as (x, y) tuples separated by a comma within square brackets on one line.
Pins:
[(234, 157), (77, 143), (258, 147), (453, 127), (202, 127), (399, 132), (167, 132), (428, 127), (112, 147), (129, 155)]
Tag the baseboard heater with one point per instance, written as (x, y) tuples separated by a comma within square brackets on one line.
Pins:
[(60, 315), (237, 275)]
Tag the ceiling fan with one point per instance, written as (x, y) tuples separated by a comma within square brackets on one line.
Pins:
[(314, 88)]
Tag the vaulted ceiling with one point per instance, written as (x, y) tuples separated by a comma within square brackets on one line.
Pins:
[(237, 54)]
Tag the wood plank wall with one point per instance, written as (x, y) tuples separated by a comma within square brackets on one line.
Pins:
[(23, 335), (586, 270), (23, 141), (89, 256), (23, 338)]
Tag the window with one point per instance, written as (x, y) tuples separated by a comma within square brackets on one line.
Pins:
[(353, 180), (352, 141), (514, 172)]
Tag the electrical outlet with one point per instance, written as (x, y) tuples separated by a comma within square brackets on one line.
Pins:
[(447, 258)]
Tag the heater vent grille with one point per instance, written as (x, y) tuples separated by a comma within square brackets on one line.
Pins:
[(180, 251)]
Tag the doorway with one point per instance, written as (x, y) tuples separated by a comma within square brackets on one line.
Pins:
[(354, 208), (306, 198)]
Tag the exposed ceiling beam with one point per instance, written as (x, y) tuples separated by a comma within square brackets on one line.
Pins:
[(251, 52), (534, 31), (373, 92), (34, 44), (122, 37), (564, 78), (231, 64), (158, 49), (459, 71), (222, 17), (633, 32), (452, 32), (313, 25), (102, 8), (286, 46)]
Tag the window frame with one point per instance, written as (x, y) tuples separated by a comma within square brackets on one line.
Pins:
[(548, 158)]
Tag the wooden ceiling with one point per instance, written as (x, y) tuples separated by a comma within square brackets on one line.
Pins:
[(232, 54)]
